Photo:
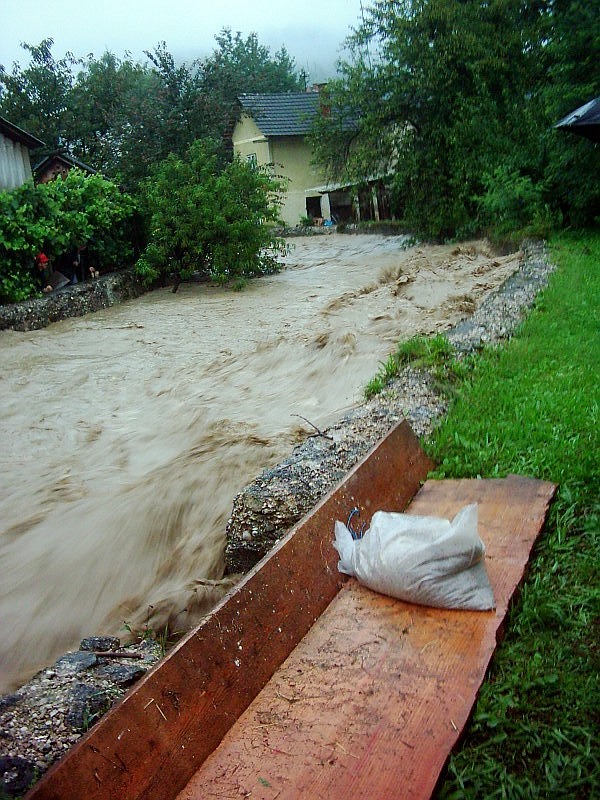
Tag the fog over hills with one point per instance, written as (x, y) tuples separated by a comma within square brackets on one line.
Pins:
[(312, 33)]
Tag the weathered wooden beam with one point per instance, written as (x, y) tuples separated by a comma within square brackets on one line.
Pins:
[(153, 742), (374, 698)]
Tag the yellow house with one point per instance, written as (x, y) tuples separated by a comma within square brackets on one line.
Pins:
[(272, 131)]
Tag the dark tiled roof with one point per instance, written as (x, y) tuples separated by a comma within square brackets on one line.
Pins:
[(282, 114), (18, 134)]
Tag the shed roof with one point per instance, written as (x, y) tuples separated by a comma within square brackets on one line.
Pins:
[(69, 161), (584, 121), (18, 134), (282, 114)]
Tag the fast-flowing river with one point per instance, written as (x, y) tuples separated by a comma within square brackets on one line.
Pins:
[(126, 433)]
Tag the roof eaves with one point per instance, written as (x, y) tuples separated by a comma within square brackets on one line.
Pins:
[(70, 161), (19, 135), (589, 113)]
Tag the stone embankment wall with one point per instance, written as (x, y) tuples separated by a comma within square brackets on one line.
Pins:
[(72, 301)]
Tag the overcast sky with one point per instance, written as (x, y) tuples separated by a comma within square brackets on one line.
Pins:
[(313, 32)]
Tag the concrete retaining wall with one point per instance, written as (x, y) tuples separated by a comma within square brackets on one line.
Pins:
[(73, 301)]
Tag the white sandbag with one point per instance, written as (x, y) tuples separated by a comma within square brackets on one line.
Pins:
[(425, 560)]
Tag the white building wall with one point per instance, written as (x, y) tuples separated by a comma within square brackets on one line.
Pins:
[(15, 166)]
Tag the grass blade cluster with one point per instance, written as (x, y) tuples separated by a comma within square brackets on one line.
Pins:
[(432, 353), (532, 407)]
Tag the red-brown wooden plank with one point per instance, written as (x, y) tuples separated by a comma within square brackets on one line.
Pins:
[(371, 702), (152, 743)]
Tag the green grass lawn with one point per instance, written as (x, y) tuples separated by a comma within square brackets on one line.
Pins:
[(531, 407)]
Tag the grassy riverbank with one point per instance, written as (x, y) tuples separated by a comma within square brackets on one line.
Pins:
[(532, 407)]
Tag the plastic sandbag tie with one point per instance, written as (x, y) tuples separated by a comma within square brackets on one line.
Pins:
[(426, 560), (361, 531)]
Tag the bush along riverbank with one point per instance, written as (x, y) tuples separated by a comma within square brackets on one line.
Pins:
[(531, 407)]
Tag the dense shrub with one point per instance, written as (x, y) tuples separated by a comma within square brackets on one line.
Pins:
[(513, 205), (55, 218), (210, 217), (438, 94)]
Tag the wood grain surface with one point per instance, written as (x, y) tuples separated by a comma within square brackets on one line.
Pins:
[(371, 702), (153, 742)]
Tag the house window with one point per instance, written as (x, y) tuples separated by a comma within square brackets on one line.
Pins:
[(251, 159)]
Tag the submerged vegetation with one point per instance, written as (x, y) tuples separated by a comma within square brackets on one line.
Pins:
[(531, 407)]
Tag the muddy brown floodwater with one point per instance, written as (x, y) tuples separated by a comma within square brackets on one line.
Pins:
[(126, 433)]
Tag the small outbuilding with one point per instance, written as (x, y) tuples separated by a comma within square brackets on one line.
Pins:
[(15, 160), (58, 164)]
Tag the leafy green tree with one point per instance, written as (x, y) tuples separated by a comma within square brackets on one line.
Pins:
[(210, 216), (174, 105), (572, 164), (37, 98), (239, 65), (86, 107), (54, 218), (440, 94), (245, 65), (123, 117), (198, 100), (428, 91), (104, 99), (179, 107)]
